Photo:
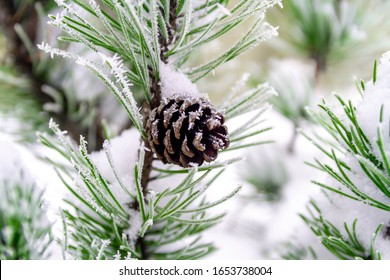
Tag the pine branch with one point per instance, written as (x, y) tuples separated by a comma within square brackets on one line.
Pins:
[(343, 245), (23, 18), (147, 41), (155, 89), (357, 169), (25, 231)]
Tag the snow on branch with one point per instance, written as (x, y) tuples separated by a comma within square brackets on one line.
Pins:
[(358, 169)]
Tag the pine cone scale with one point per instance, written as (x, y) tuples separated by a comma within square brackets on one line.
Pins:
[(171, 158), (197, 142), (154, 131), (186, 150), (170, 114), (168, 143), (210, 154), (177, 126)]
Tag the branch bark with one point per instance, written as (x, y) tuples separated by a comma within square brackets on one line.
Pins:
[(147, 108), (155, 89)]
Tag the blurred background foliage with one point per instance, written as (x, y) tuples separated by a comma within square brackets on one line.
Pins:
[(322, 46)]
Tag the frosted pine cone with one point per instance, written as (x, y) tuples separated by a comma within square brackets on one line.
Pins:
[(186, 131)]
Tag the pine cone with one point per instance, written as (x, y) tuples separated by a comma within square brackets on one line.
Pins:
[(186, 131)]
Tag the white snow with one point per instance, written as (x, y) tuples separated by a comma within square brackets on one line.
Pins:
[(135, 226), (11, 164), (339, 209), (368, 111), (116, 164), (123, 152), (175, 84)]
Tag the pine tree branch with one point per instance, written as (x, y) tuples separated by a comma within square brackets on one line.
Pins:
[(155, 89), (26, 15), (166, 42), (144, 36)]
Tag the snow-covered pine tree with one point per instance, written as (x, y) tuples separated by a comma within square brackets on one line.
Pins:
[(352, 218), (125, 203)]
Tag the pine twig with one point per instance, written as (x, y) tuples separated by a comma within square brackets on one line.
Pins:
[(155, 89), (293, 140)]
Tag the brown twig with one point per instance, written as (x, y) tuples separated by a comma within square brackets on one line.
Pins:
[(155, 89), (293, 140)]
